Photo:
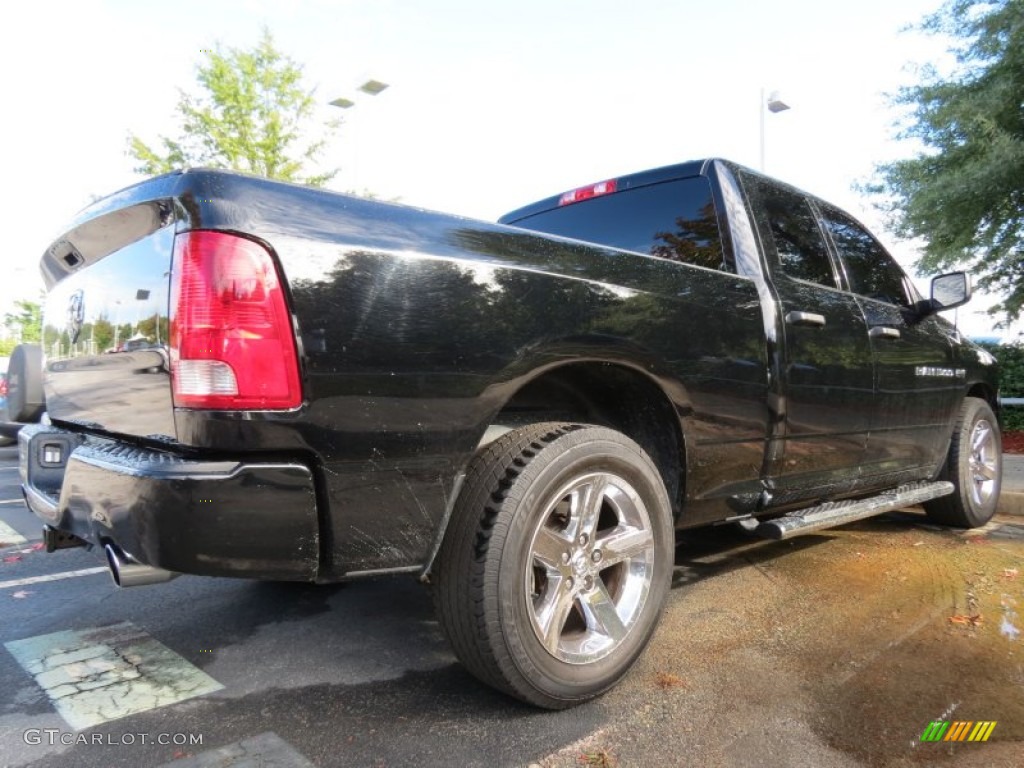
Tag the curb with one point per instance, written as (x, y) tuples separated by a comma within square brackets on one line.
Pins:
[(1011, 503)]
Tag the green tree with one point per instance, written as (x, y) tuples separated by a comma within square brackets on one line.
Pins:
[(26, 321), (250, 116), (963, 192)]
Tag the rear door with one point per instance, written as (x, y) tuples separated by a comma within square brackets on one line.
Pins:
[(917, 382), (826, 362)]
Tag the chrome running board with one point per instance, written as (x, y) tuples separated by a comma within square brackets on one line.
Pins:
[(833, 513)]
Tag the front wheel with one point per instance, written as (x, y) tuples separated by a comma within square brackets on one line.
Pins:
[(556, 562), (974, 466)]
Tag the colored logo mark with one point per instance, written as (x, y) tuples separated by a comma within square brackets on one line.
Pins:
[(958, 730)]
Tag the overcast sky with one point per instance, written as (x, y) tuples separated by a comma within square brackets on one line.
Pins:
[(491, 104)]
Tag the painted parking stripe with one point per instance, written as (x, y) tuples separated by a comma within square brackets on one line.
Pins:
[(53, 577), (266, 749), (9, 536), (96, 675), (12, 501)]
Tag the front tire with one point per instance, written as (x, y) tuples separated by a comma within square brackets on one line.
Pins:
[(556, 563), (974, 466)]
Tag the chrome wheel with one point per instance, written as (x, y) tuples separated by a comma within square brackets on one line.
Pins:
[(591, 565), (556, 563), (983, 462)]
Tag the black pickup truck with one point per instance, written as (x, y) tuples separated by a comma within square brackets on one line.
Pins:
[(320, 387)]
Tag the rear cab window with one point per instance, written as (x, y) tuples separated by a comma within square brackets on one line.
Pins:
[(673, 220)]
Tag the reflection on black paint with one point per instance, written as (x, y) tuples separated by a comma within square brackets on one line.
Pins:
[(786, 217), (673, 220), (103, 336), (695, 241), (380, 323)]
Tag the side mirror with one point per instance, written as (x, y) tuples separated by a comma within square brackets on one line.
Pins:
[(950, 290)]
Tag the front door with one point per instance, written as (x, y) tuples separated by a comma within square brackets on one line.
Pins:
[(918, 384)]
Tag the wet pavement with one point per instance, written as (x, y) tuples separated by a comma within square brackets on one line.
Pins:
[(835, 649)]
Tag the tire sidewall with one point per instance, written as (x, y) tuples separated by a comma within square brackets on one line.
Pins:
[(551, 676), (975, 411)]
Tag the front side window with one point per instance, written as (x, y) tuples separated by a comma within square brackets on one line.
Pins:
[(787, 221), (872, 272)]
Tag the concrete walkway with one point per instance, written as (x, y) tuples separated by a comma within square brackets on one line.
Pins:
[(1011, 500)]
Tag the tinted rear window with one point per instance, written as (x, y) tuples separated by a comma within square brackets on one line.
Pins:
[(673, 220)]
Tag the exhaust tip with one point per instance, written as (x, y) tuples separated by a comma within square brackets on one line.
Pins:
[(127, 572)]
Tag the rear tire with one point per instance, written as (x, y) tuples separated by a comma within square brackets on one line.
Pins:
[(556, 563), (974, 466)]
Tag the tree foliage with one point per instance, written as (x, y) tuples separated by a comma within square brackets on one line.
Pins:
[(963, 193), (26, 322), (1011, 367), (250, 115), (1011, 381)]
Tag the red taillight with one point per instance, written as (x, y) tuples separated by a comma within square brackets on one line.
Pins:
[(232, 345), (3, 387), (585, 193)]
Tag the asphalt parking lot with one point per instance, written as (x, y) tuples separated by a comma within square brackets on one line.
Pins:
[(837, 649)]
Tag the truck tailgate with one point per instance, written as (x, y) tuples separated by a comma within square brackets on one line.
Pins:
[(105, 322)]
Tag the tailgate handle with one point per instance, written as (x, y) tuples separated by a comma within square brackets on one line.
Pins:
[(805, 318), (883, 332)]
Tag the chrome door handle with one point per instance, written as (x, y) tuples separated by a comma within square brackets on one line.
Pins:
[(882, 332), (805, 318)]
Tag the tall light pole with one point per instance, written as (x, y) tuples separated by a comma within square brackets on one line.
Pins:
[(773, 104), (371, 87)]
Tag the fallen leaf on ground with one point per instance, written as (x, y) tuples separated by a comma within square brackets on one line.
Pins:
[(967, 621), (667, 680), (1009, 573), (599, 758), (12, 559)]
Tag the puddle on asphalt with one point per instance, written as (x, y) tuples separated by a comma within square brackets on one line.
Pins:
[(858, 639), (919, 619), (1007, 628)]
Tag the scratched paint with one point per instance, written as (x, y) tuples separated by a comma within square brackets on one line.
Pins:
[(96, 675)]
